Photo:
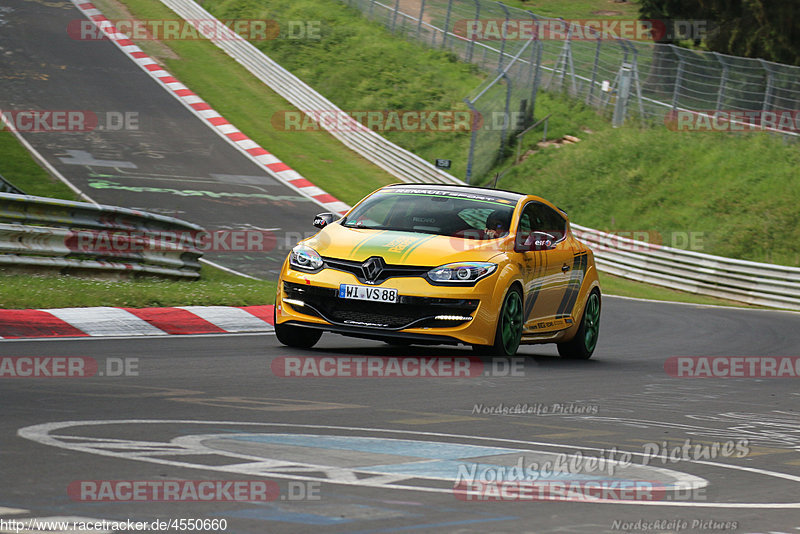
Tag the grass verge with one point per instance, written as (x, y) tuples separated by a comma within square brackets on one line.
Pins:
[(52, 291), (722, 194), (579, 9), (615, 285), (18, 167)]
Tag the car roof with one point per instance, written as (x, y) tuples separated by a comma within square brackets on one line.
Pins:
[(460, 189)]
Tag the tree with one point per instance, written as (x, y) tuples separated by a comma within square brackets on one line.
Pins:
[(767, 29)]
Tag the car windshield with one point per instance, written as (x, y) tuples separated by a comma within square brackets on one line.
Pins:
[(449, 213)]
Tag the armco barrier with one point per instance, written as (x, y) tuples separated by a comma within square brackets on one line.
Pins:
[(742, 281), (396, 161), (760, 284), (45, 232), (8, 187)]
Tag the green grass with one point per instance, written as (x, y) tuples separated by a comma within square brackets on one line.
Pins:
[(17, 166), (579, 9), (615, 285), (435, 10), (52, 291), (737, 194)]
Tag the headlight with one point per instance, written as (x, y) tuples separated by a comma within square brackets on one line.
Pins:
[(462, 272), (305, 258)]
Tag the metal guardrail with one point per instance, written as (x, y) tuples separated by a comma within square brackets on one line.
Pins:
[(51, 233), (760, 284), (398, 162), (742, 281), (8, 187)]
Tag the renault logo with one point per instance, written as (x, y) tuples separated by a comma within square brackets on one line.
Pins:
[(372, 268)]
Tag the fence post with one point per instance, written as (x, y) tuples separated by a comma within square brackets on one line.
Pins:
[(678, 78), (623, 92), (394, 14), (536, 61), (421, 15), (723, 82), (369, 11), (506, 116), (571, 64), (604, 101), (473, 138), (447, 22), (564, 62), (594, 67), (635, 80), (770, 85), (471, 46), (503, 42)]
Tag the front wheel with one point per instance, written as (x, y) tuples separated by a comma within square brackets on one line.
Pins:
[(296, 336), (582, 345), (509, 327)]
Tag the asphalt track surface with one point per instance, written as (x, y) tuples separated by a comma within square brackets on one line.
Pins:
[(228, 389), (164, 147)]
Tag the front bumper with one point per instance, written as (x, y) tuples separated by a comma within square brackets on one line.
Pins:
[(424, 312)]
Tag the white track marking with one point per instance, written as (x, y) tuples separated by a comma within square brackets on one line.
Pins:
[(42, 434)]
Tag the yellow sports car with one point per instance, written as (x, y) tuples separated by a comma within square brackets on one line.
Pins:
[(443, 264)]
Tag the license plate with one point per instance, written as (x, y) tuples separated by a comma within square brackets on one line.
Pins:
[(374, 294)]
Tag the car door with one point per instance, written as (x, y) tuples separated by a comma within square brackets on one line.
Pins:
[(547, 273)]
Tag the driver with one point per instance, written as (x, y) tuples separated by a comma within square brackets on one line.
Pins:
[(496, 225)]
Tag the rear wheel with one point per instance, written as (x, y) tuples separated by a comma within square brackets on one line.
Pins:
[(509, 327), (295, 336), (582, 345)]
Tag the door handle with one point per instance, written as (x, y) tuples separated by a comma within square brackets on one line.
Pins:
[(565, 268)]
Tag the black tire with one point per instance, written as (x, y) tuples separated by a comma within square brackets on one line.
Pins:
[(296, 336), (581, 347), (509, 327)]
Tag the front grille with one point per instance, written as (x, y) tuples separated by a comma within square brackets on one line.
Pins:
[(409, 311), (389, 271)]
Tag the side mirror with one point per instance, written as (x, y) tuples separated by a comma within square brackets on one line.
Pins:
[(534, 242), (324, 219)]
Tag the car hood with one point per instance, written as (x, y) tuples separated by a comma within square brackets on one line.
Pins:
[(407, 248)]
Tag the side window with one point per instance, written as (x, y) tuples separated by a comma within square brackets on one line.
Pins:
[(525, 222), (537, 217)]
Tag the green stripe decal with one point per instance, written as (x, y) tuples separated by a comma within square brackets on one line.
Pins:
[(393, 247)]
